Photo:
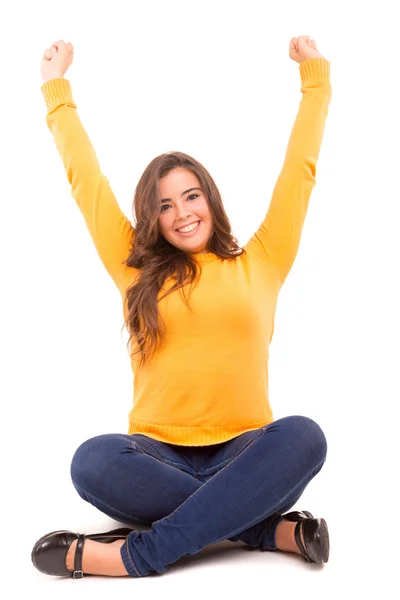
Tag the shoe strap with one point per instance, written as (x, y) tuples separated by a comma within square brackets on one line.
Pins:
[(78, 557), (299, 542)]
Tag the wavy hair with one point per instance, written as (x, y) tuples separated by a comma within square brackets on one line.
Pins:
[(156, 259)]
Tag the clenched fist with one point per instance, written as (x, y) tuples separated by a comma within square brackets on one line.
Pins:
[(302, 48), (56, 60)]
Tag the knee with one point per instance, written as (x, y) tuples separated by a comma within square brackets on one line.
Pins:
[(92, 458), (82, 464), (309, 434)]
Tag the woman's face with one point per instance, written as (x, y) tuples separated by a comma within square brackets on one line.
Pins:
[(180, 207)]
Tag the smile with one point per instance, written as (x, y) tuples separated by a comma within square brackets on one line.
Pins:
[(190, 232)]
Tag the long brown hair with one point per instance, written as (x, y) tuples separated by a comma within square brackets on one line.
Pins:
[(157, 259)]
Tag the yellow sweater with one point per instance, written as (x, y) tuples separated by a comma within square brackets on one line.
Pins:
[(210, 382)]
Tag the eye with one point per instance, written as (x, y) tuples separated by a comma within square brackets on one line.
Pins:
[(191, 196)]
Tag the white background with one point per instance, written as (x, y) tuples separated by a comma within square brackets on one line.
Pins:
[(214, 80)]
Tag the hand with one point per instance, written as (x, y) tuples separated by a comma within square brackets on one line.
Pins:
[(302, 48), (56, 60)]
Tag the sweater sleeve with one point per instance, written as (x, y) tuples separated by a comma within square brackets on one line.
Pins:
[(111, 231), (277, 240)]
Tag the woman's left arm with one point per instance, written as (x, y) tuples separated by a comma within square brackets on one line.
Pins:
[(277, 240)]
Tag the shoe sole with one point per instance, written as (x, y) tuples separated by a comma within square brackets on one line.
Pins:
[(321, 552)]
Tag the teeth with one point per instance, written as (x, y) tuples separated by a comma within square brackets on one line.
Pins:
[(189, 228)]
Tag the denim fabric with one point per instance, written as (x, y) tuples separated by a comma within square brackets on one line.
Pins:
[(193, 496)]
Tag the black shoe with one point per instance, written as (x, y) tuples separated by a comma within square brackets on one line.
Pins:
[(50, 551), (315, 534), (316, 540), (297, 515)]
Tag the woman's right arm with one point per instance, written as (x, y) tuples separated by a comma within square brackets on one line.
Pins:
[(111, 231)]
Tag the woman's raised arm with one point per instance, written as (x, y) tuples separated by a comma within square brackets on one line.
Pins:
[(111, 231), (277, 240)]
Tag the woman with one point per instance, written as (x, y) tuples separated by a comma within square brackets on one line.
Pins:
[(203, 459)]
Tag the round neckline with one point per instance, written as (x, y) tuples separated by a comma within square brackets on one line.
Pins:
[(204, 257)]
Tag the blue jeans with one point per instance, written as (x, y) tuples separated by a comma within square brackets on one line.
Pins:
[(193, 496)]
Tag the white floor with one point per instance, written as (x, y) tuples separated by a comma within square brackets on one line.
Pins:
[(357, 566)]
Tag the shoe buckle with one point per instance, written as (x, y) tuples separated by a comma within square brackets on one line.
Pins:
[(77, 574)]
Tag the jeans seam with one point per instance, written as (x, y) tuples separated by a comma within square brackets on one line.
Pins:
[(141, 451), (112, 508), (262, 430), (176, 465)]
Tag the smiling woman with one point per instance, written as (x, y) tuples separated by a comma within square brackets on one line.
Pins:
[(201, 401), (187, 211), (174, 191)]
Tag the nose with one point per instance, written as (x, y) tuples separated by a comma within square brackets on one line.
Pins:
[(182, 213)]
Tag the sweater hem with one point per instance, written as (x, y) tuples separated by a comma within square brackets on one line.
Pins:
[(193, 435)]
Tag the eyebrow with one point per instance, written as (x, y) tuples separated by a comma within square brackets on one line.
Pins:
[(183, 193)]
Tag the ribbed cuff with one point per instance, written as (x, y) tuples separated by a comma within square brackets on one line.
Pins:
[(315, 71), (57, 92)]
